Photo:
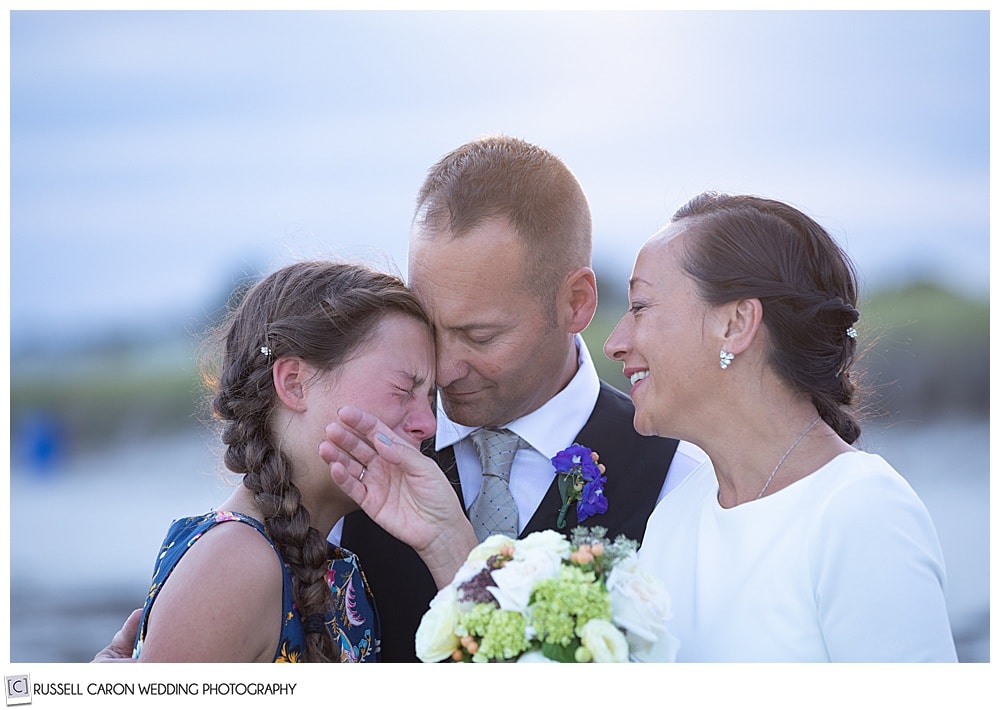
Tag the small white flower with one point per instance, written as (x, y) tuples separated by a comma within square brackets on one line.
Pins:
[(605, 641), (435, 639)]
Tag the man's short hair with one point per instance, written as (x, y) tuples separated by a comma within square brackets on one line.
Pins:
[(498, 176)]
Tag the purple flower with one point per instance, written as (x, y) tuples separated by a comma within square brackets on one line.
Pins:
[(592, 500), (567, 459), (581, 480)]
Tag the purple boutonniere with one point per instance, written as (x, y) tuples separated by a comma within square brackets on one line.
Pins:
[(581, 480)]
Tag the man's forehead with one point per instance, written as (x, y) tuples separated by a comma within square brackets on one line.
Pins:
[(461, 308), (479, 255), (466, 304), (496, 229)]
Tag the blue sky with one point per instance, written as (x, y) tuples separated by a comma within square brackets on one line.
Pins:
[(155, 155)]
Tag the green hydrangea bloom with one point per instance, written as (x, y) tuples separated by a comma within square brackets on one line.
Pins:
[(475, 621), (561, 606), (501, 634)]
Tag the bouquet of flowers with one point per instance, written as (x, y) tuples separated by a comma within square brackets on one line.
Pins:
[(547, 597)]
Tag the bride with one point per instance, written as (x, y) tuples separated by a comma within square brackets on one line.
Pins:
[(791, 545)]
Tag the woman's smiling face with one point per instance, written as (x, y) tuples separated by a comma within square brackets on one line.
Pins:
[(661, 340)]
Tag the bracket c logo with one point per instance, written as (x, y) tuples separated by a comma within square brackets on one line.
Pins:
[(18, 689)]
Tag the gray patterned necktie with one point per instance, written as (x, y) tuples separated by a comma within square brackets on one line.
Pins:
[(494, 510)]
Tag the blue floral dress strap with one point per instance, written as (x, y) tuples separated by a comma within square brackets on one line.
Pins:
[(353, 622)]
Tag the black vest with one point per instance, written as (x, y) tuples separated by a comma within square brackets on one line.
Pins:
[(636, 467)]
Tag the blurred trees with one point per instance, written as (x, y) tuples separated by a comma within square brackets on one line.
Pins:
[(924, 350), (926, 354)]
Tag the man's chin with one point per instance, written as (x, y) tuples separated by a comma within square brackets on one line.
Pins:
[(464, 414), (470, 413)]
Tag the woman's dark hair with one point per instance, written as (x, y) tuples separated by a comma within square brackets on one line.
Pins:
[(750, 247), (324, 313)]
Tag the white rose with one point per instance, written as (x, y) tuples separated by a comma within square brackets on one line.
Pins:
[(486, 549), (544, 540), (436, 639), (604, 641), (639, 602), (467, 571), (476, 560), (514, 582)]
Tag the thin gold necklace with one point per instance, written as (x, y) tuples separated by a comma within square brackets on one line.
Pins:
[(785, 456)]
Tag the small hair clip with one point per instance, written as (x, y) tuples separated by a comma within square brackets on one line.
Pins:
[(851, 332), (265, 351)]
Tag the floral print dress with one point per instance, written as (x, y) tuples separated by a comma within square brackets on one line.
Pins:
[(353, 621)]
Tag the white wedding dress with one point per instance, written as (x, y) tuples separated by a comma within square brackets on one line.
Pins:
[(843, 565)]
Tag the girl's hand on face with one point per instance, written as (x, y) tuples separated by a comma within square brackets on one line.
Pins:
[(399, 488)]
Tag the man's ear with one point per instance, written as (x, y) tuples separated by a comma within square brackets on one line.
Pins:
[(578, 299), (744, 319), (289, 374)]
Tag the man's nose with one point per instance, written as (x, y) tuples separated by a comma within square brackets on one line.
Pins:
[(451, 364)]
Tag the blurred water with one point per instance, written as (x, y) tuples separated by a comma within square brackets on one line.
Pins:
[(84, 535)]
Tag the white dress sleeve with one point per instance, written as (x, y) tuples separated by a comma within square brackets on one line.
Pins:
[(878, 570)]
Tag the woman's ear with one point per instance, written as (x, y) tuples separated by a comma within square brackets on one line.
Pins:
[(578, 299), (289, 374), (744, 321)]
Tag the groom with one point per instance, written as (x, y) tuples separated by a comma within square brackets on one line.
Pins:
[(500, 255)]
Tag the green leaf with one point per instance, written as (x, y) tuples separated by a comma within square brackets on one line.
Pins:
[(566, 491), (560, 653)]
